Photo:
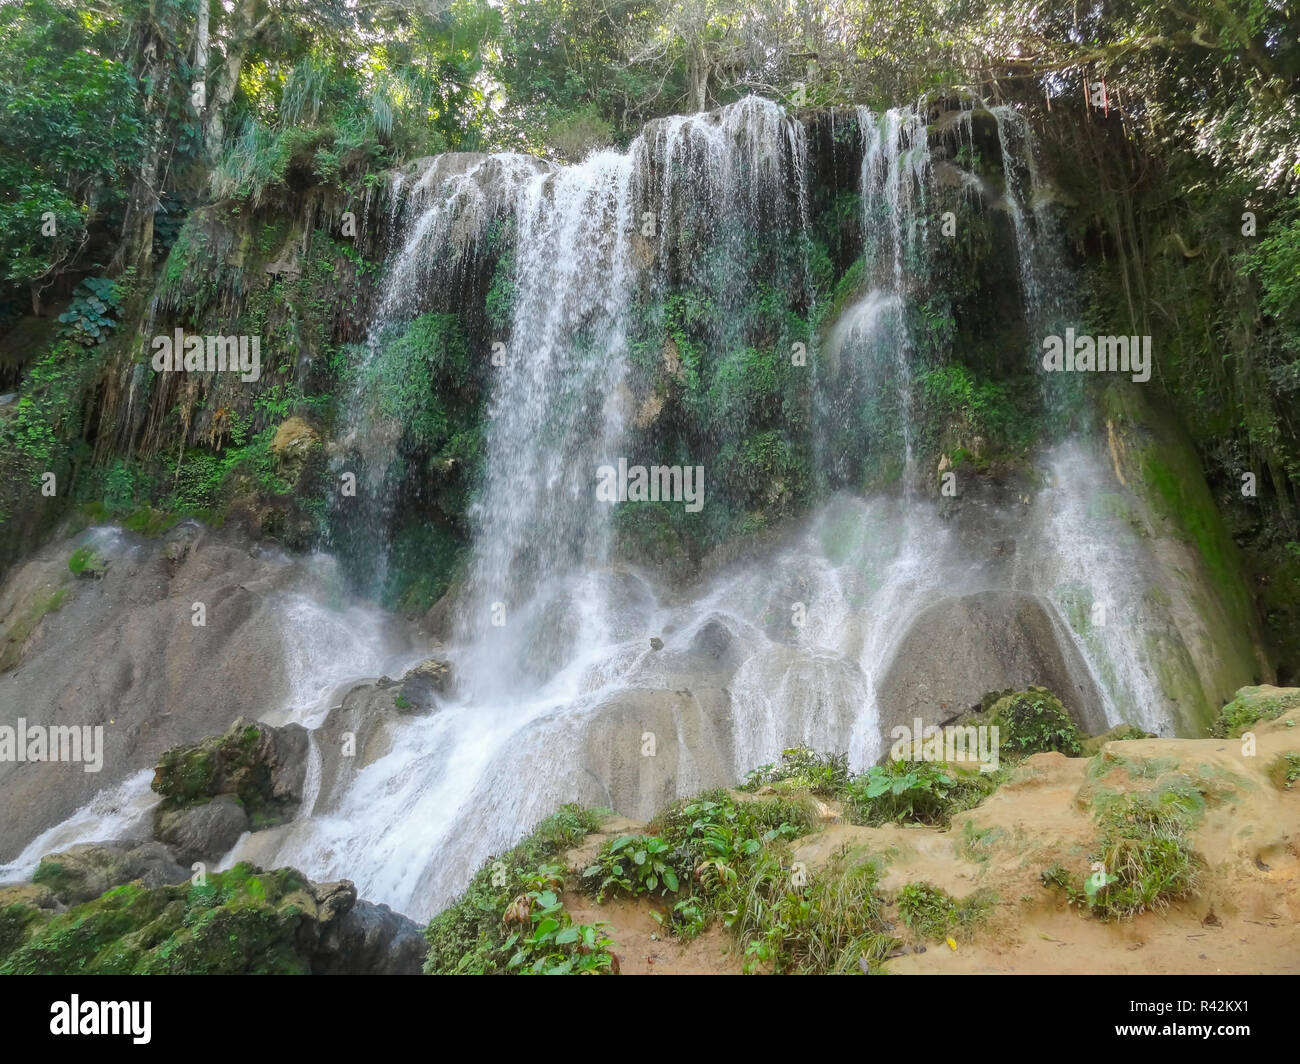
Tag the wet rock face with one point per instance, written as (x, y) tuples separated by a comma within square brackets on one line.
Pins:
[(123, 654), (963, 647)]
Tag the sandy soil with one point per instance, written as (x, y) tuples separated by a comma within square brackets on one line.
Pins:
[(1243, 918)]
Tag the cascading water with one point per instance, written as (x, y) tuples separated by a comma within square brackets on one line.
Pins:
[(790, 648), (556, 414), (873, 334)]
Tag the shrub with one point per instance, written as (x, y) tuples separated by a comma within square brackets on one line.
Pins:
[(917, 792), (1033, 721)]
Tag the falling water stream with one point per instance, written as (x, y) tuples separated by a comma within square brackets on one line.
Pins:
[(515, 739)]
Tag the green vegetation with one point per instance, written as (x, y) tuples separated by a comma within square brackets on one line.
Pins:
[(636, 864), (473, 936), (918, 792), (242, 762), (22, 626), (1033, 721), (238, 922), (1284, 770), (800, 767), (934, 914), (1250, 706), (1142, 860)]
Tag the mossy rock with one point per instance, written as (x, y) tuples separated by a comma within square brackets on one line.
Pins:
[(1033, 721), (1092, 745), (1251, 705), (260, 765), (239, 922)]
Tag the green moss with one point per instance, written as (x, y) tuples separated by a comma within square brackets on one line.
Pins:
[(236, 763), (236, 923), (1251, 705), (84, 560), (150, 522), (16, 923), (51, 874), (21, 628), (1033, 721)]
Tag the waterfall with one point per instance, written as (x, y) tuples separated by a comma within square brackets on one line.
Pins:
[(556, 412), (871, 349), (1045, 283), (563, 656)]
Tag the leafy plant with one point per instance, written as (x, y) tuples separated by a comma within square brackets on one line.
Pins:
[(1033, 721), (823, 774), (637, 864), (552, 944), (92, 312), (920, 792)]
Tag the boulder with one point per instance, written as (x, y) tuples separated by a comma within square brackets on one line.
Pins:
[(263, 766), (203, 831), (422, 684), (961, 647), (87, 870), (241, 921)]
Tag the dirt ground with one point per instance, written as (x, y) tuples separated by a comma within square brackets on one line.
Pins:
[(1244, 916)]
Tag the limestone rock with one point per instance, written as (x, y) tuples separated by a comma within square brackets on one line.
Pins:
[(204, 831)]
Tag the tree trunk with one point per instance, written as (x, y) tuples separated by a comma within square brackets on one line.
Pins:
[(243, 32)]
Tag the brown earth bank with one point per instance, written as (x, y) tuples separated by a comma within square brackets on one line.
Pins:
[(1242, 917)]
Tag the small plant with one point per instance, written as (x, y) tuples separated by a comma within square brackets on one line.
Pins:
[(823, 774), (550, 943), (85, 562), (918, 792), (1059, 876), (832, 923), (1285, 770), (637, 864), (1143, 861), (91, 311), (1033, 721), (934, 914)]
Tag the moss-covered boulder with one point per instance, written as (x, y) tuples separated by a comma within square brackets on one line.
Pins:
[(87, 870), (240, 922), (262, 766), (1033, 721), (1251, 705)]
